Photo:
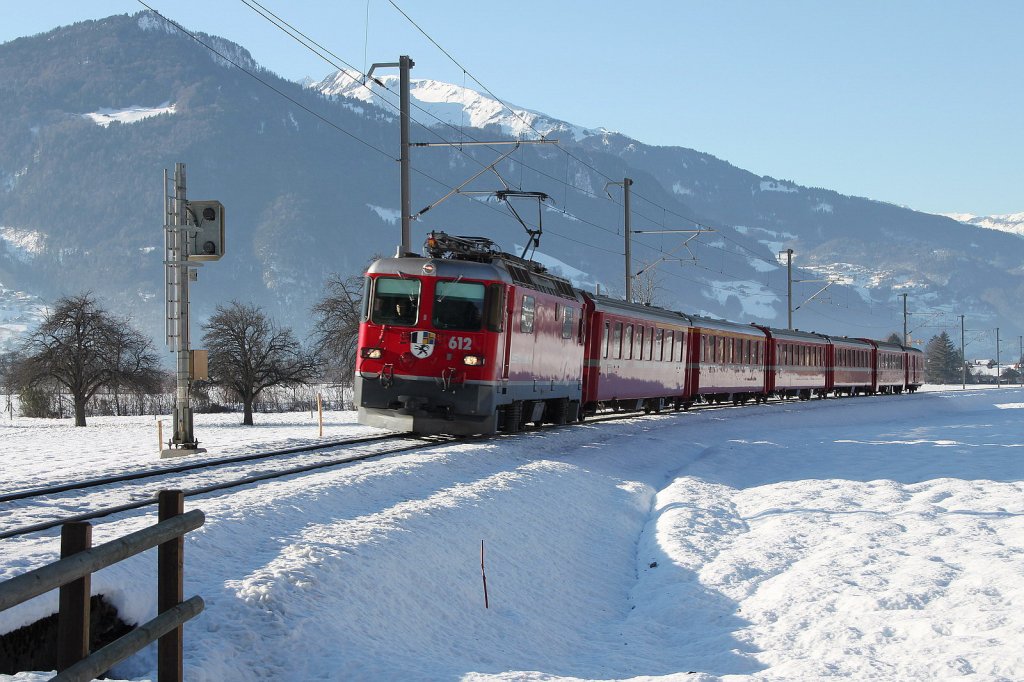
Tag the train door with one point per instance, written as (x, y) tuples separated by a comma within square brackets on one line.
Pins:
[(507, 302)]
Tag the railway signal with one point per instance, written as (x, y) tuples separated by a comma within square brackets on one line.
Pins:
[(206, 242), (193, 232)]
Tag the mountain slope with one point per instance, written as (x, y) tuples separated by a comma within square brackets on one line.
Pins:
[(93, 113)]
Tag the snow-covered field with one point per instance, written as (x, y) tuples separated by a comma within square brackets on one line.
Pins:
[(877, 538)]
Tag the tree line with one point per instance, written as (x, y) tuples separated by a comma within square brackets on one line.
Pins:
[(81, 349)]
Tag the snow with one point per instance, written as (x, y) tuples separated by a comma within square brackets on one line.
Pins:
[(681, 190), (777, 186), (772, 240), (444, 103), (19, 312), (755, 298), (133, 114), (1011, 222), (856, 538), (25, 244), (388, 215)]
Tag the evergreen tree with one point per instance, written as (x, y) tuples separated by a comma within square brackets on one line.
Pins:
[(942, 361)]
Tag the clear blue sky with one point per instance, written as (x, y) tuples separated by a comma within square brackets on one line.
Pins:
[(914, 102)]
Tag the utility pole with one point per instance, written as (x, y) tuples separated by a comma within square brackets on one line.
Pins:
[(404, 65), (963, 358), (999, 381), (1020, 358), (789, 288), (625, 185), (905, 342)]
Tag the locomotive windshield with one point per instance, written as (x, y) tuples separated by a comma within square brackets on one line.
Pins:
[(395, 301), (458, 305)]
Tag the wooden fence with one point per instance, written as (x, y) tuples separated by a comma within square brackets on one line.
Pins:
[(72, 574)]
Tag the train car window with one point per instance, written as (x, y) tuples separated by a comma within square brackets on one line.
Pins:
[(703, 347), (627, 342), (567, 320), (458, 305), (719, 349), (650, 343), (659, 344), (495, 306), (607, 337), (526, 318), (396, 300), (617, 339), (639, 343), (367, 288)]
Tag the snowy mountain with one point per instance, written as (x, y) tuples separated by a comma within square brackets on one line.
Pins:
[(1012, 222), (96, 112), (451, 105)]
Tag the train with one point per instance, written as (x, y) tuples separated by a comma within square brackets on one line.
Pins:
[(468, 339)]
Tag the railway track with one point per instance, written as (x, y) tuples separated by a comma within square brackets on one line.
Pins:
[(32, 510)]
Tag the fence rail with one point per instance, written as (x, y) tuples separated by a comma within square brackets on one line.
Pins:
[(72, 575)]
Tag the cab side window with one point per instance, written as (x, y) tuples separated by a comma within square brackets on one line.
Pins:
[(526, 318), (567, 319)]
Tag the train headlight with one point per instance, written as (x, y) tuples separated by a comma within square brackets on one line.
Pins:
[(473, 360), (371, 353)]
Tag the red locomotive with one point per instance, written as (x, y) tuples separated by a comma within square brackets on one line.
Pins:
[(467, 340)]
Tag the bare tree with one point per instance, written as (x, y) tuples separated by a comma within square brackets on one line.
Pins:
[(8, 362), (249, 353), (336, 330), (646, 284), (83, 348)]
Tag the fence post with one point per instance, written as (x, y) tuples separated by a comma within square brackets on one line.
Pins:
[(73, 614), (170, 588)]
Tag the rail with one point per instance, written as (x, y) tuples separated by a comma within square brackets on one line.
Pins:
[(72, 575)]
